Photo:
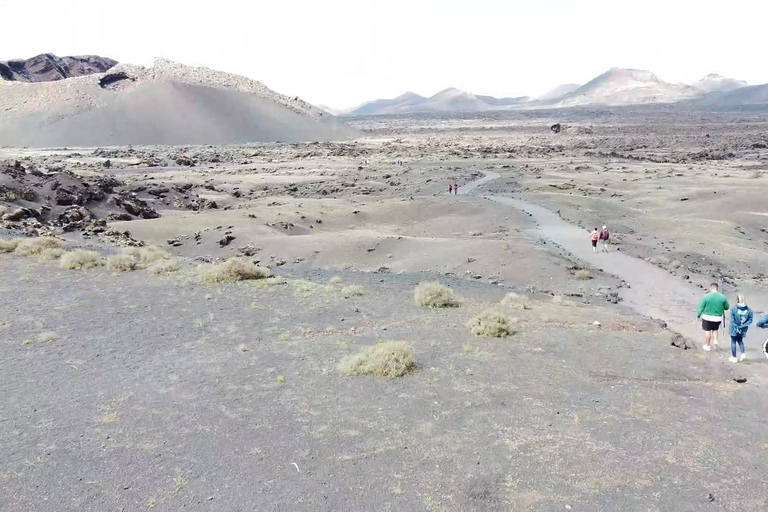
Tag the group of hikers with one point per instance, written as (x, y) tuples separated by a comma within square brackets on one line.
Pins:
[(453, 188), (602, 236), (712, 310)]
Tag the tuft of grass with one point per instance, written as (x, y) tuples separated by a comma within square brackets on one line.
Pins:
[(52, 254), (434, 295), (233, 270), (164, 267), (81, 260), (583, 275), (45, 337), (516, 301), (7, 246), (560, 300), (676, 264), (661, 260), (135, 258), (491, 324), (390, 359), (280, 379), (35, 246), (334, 280), (353, 291)]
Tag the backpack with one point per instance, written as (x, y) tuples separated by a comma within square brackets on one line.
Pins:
[(604, 235)]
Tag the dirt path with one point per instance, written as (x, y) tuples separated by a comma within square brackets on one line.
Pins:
[(652, 291)]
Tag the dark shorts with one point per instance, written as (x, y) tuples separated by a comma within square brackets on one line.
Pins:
[(594, 243), (706, 325)]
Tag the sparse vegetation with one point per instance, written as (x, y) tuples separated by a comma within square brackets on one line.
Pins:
[(334, 280), (45, 337), (353, 291), (491, 324), (583, 275), (233, 270), (435, 295), (516, 301), (164, 267), (135, 258), (81, 260), (660, 260), (388, 359), (7, 246), (561, 301), (52, 254), (35, 246)]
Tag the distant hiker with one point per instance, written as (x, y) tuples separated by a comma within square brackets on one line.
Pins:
[(595, 236), (763, 324), (450, 188), (711, 310), (455, 188), (741, 319), (604, 235)]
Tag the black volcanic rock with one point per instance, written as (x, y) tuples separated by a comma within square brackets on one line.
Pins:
[(49, 68)]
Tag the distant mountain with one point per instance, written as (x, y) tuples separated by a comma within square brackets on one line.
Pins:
[(50, 68), (558, 92), (447, 100), (717, 83), (399, 105), (620, 86), (750, 95)]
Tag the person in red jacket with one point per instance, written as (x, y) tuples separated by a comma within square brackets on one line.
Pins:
[(604, 236), (450, 188), (595, 236)]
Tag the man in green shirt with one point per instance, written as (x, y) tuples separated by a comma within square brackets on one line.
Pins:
[(711, 311)]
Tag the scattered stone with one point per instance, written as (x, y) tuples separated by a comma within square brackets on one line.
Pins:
[(680, 341), (226, 240)]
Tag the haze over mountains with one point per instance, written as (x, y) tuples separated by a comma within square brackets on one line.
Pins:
[(615, 87)]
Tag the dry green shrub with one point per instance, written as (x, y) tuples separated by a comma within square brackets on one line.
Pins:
[(81, 260), (136, 258), (52, 254), (164, 267), (676, 264), (516, 301), (353, 291), (7, 246), (583, 275), (388, 359), (34, 246), (660, 260), (560, 300), (334, 280), (491, 324), (434, 295), (45, 337), (232, 270)]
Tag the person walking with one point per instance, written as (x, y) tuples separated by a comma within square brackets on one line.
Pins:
[(604, 235), (711, 310), (595, 236), (763, 324), (456, 188), (741, 319), (450, 188)]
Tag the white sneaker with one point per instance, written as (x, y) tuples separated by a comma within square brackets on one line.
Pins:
[(706, 347), (743, 356), (733, 360)]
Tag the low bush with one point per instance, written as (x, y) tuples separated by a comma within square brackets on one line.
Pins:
[(491, 324), (35, 246), (388, 359), (81, 260), (516, 301), (434, 295), (233, 270)]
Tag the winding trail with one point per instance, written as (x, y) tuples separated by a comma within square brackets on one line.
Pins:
[(651, 291)]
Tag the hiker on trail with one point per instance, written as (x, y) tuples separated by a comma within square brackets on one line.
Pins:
[(595, 236), (711, 310), (450, 188), (741, 319), (763, 324), (455, 188), (604, 235)]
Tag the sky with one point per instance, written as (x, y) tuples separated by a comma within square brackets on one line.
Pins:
[(340, 53)]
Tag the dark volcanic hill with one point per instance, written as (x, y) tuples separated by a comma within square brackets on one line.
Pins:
[(49, 68)]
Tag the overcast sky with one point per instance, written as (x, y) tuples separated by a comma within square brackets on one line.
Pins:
[(342, 52)]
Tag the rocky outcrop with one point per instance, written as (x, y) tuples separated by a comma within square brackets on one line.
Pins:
[(50, 68)]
